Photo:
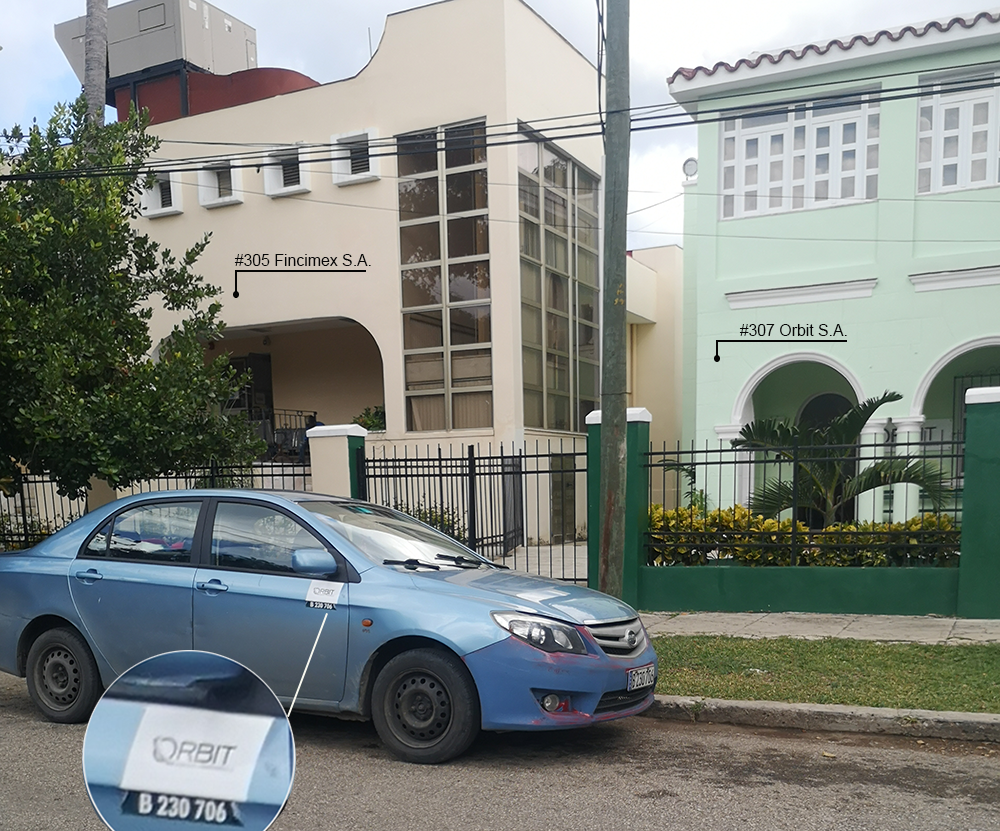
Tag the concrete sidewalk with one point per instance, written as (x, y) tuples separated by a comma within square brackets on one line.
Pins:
[(980, 727), (886, 628)]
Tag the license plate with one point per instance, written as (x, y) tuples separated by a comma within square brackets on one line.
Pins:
[(640, 677), (185, 808)]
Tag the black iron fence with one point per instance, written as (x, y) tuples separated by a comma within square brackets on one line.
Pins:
[(270, 475), (524, 507), (32, 510), (864, 504)]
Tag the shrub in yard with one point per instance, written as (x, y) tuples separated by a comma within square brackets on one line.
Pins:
[(16, 534), (446, 520)]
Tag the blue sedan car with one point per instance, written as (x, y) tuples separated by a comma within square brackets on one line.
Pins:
[(404, 625)]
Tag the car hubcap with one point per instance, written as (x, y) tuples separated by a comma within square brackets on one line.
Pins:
[(421, 708), (60, 677)]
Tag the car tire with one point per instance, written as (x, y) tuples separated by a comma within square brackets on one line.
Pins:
[(425, 706), (63, 679)]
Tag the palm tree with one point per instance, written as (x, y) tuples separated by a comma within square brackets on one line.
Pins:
[(826, 459)]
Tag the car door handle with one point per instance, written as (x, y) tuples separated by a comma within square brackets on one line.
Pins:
[(90, 576), (212, 587)]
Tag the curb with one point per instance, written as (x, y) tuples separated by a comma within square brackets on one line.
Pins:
[(979, 727)]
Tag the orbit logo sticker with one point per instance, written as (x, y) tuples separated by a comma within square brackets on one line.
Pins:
[(322, 594), (186, 753)]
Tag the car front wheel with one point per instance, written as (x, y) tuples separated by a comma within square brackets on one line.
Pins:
[(63, 679), (425, 706)]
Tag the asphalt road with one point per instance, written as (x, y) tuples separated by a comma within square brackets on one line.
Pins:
[(639, 774)]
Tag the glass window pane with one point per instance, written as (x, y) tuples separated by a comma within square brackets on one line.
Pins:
[(728, 177), (586, 306), (556, 252), (799, 141), (466, 191), (555, 169), (850, 134), (155, 533), (98, 545), (470, 324), (531, 282), (750, 174), (951, 147), (555, 210), (588, 342), (589, 380), (979, 141), (425, 372), (471, 409), (798, 196), (422, 330), (418, 198), (531, 325), (422, 286), (774, 200), (981, 113), (751, 149), (727, 206), (557, 332), (873, 125), (586, 267), (558, 415), (926, 119), (468, 236), (532, 367), (822, 164), (425, 412), (257, 538), (924, 180), (871, 186), (750, 201), (822, 136), (777, 145), (465, 145), (799, 167), (469, 281), (419, 243), (471, 368), (586, 228), (871, 162), (729, 149), (978, 172), (951, 118), (556, 372), (777, 169), (925, 149), (527, 195), (848, 160), (531, 245), (587, 191), (847, 187), (533, 410), (527, 157), (729, 125), (417, 153), (556, 292), (822, 190)]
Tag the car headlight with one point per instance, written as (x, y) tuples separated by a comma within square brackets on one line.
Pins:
[(540, 632)]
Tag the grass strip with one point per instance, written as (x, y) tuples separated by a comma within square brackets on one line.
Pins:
[(832, 671)]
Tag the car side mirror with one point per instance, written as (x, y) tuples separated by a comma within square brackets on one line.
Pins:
[(314, 562)]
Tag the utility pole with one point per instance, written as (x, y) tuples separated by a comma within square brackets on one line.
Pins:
[(614, 338), (95, 61)]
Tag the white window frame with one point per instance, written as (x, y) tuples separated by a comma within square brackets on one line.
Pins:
[(273, 179), (150, 203), (341, 163), (808, 187), (935, 139), (208, 186)]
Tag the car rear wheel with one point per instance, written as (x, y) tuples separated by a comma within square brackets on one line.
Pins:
[(63, 679), (425, 706)]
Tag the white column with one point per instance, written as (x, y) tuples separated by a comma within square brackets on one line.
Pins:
[(906, 498), (330, 457)]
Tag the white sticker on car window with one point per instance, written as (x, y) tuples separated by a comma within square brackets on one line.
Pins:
[(195, 752), (322, 594)]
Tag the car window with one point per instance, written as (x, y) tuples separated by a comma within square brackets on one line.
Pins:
[(161, 533), (258, 538)]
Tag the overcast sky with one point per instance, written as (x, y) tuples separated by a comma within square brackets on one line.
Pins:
[(329, 39)]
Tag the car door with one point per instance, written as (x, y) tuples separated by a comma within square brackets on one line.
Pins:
[(132, 581), (250, 606)]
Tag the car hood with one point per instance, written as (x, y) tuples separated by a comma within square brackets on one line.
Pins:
[(526, 592)]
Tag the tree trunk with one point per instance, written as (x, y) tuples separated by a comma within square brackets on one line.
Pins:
[(95, 65)]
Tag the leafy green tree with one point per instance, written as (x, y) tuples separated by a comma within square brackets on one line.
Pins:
[(827, 459), (84, 391)]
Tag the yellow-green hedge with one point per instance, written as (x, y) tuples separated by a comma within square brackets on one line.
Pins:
[(689, 536)]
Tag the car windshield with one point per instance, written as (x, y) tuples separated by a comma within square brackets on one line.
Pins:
[(388, 537)]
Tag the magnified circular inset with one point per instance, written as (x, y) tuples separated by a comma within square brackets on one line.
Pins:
[(186, 740)]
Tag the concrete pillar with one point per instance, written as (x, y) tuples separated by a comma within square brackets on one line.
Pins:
[(979, 565), (333, 457), (636, 498), (906, 498), (100, 494), (872, 448)]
